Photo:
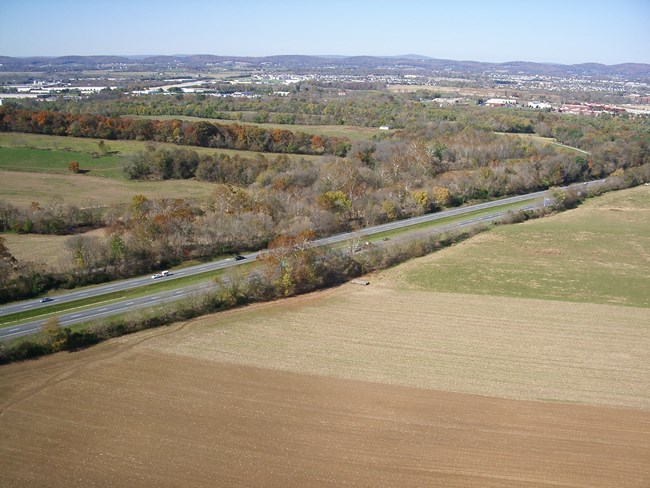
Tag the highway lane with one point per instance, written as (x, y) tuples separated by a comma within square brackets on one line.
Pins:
[(117, 306), (106, 309), (115, 286), (100, 310)]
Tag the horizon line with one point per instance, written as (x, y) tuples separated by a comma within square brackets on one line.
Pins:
[(341, 56)]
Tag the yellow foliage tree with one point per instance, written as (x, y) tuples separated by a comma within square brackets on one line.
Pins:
[(421, 197), (441, 195), (53, 335)]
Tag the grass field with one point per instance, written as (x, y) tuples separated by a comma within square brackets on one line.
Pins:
[(405, 382), (353, 133), (47, 249), (56, 161), (23, 188), (599, 253)]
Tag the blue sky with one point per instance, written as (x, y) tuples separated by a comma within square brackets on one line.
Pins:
[(567, 32)]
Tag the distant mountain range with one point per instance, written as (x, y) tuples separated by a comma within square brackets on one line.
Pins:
[(302, 62)]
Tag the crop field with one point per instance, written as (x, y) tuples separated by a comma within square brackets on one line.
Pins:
[(405, 382)]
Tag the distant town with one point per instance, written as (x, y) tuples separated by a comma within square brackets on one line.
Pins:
[(581, 89)]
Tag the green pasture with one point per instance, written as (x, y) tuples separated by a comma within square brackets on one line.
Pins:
[(56, 161), (43, 153), (598, 253)]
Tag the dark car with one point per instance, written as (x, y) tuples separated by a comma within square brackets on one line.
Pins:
[(239, 257), (46, 299)]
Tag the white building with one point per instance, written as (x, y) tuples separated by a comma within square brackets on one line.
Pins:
[(500, 102), (540, 105)]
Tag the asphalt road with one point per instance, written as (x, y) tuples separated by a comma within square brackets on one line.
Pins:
[(117, 305)]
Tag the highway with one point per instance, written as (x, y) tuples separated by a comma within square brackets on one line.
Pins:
[(117, 305)]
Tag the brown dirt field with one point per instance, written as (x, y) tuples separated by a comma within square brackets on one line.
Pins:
[(119, 415)]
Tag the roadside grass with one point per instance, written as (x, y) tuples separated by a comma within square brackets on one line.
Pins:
[(350, 131), (598, 253)]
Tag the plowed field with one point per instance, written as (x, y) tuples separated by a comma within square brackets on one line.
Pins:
[(124, 416)]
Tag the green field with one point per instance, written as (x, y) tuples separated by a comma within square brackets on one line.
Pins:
[(51, 154), (56, 161), (599, 253)]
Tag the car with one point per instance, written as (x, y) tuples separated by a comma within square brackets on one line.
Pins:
[(46, 299), (239, 257), (156, 276)]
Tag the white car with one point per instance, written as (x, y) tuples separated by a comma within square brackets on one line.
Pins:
[(156, 276)]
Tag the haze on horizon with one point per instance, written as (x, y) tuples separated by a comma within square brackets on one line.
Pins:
[(573, 32)]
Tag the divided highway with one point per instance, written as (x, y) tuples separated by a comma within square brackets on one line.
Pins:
[(117, 306)]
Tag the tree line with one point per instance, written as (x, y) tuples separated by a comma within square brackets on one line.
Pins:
[(202, 133)]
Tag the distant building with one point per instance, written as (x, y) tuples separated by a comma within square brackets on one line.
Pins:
[(448, 101), (500, 102), (540, 105)]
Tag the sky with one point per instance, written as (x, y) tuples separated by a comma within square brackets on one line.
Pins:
[(553, 31)]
